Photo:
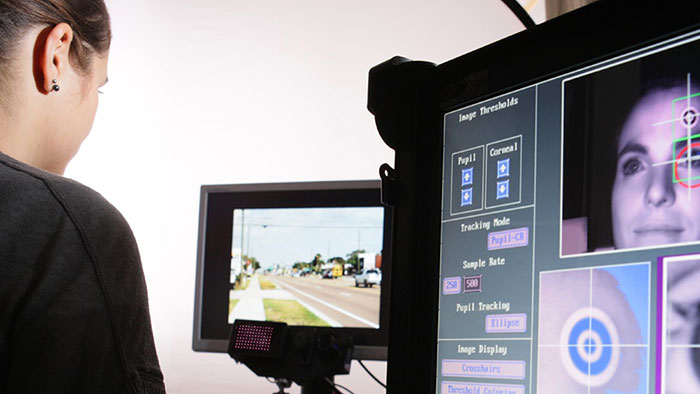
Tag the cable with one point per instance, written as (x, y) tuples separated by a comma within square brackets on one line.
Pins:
[(370, 374), (520, 13), (335, 385)]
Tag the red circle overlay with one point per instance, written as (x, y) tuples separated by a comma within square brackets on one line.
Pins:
[(675, 166)]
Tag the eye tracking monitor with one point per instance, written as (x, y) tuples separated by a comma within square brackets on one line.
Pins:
[(580, 186), (306, 254), (563, 173)]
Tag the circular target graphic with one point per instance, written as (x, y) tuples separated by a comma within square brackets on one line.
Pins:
[(689, 117), (678, 160), (589, 347)]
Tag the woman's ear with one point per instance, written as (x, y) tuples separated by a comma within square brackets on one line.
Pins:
[(54, 55)]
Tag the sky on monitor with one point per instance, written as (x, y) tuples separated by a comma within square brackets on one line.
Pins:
[(283, 236)]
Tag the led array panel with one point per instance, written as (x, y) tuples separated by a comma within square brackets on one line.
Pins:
[(253, 337)]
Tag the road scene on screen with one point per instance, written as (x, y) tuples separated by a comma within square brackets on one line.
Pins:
[(307, 266)]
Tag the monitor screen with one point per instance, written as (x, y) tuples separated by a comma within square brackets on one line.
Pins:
[(570, 230), (284, 255), (306, 254)]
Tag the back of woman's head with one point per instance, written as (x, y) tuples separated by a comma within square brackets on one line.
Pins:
[(88, 19)]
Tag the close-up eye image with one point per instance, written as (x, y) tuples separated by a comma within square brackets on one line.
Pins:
[(679, 339), (594, 330)]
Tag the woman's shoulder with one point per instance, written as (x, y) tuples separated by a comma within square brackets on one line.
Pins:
[(35, 192)]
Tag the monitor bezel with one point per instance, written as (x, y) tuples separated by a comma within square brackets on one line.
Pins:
[(370, 344), (619, 29)]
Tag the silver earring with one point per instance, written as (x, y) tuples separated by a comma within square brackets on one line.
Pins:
[(55, 86)]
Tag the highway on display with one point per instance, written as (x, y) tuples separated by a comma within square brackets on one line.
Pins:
[(338, 299)]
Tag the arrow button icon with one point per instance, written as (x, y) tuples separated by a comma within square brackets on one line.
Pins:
[(466, 197), (467, 176), (502, 189), (503, 167)]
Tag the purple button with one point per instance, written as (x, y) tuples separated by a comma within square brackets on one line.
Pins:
[(506, 323), (452, 285), (508, 239)]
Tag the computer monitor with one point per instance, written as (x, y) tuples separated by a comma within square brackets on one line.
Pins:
[(306, 254), (568, 211)]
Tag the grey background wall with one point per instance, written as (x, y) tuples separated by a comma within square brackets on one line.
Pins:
[(221, 91)]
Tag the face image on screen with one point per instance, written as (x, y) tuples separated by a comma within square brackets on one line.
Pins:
[(678, 341), (307, 266), (594, 330), (631, 168)]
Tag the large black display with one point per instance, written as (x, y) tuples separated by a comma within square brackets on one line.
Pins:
[(614, 146), (555, 178)]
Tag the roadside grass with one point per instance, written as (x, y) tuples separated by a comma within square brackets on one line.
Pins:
[(291, 312), (232, 304), (266, 284)]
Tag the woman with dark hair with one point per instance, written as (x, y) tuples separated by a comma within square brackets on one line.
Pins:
[(655, 198), (74, 315)]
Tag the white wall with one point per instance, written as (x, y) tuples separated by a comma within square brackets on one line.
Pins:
[(224, 91)]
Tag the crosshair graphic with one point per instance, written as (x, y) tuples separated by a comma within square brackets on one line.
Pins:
[(590, 347), (593, 330), (687, 120), (689, 117)]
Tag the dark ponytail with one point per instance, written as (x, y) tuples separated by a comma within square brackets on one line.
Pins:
[(88, 19)]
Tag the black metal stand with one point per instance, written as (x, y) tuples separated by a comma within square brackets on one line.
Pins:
[(282, 384), (319, 386)]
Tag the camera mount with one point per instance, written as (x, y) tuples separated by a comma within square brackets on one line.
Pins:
[(306, 355)]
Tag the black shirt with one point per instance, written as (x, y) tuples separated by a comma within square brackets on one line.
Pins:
[(73, 305)]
